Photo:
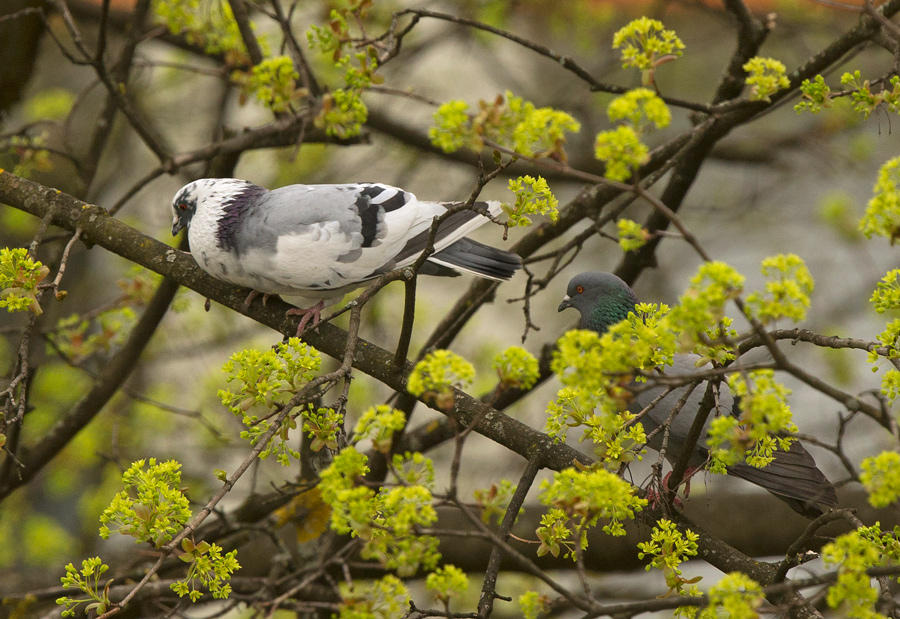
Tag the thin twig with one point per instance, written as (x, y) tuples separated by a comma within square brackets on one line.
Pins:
[(565, 61), (489, 586)]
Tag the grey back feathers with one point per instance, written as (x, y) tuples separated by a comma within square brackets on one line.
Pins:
[(603, 300), (319, 241)]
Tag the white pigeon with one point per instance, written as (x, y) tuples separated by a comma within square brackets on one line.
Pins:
[(311, 244)]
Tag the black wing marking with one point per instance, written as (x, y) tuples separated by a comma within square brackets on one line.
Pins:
[(233, 213), (389, 198), (372, 204)]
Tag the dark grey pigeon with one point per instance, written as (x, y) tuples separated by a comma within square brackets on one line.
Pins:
[(311, 244), (603, 300)]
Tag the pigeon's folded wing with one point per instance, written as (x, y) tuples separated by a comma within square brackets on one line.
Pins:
[(358, 232), (795, 479)]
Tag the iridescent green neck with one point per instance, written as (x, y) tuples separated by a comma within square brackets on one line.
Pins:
[(609, 310)]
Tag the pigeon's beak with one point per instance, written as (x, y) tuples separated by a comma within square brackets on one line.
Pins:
[(566, 303), (176, 227)]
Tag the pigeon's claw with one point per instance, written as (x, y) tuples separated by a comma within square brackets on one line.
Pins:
[(686, 480), (655, 499), (253, 294), (309, 315)]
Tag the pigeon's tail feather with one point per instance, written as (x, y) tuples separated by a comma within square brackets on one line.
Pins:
[(794, 478), (456, 253), (479, 259)]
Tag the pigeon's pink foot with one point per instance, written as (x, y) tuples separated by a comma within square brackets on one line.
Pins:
[(309, 315), (686, 480), (253, 294), (654, 497)]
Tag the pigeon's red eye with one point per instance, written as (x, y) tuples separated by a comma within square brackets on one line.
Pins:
[(182, 206), (579, 289)]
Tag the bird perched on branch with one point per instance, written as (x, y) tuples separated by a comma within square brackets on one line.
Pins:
[(311, 244), (603, 300)]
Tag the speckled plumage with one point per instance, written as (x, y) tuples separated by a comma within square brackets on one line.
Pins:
[(317, 242), (603, 299)]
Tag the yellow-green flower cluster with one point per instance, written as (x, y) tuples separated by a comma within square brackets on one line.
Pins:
[(414, 469), (540, 131), (451, 131), (330, 39), (703, 303), (272, 82), (765, 76), (583, 498), (351, 504), (268, 380), (86, 580), (787, 291), (395, 541), (533, 197), (605, 363), (386, 598), (765, 417), (343, 113), (152, 508), (890, 340), (323, 426), (387, 519), (269, 377), (209, 25), (378, 424), (641, 108), (209, 566), (509, 121), (880, 477), (621, 149), (631, 234), (736, 596), (816, 96), (887, 292), (19, 279), (435, 377), (668, 548), (883, 211), (853, 553), (447, 582), (645, 42), (597, 370), (865, 101), (887, 297), (616, 438), (533, 605), (517, 368)]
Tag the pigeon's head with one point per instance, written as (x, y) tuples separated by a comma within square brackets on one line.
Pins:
[(602, 299), (200, 194)]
